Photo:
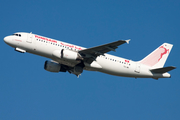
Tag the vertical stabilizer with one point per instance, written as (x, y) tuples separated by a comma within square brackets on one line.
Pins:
[(158, 57)]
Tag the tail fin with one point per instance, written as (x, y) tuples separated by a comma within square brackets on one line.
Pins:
[(158, 57)]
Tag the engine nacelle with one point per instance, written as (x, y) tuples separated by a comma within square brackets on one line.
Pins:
[(78, 69), (53, 67), (66, 54)]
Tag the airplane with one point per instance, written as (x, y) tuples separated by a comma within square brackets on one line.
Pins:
[(74, 59)]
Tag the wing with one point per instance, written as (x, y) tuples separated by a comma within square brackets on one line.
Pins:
[(90, 54)]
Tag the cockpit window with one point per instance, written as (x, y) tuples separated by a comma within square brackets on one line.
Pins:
[(17, 35)]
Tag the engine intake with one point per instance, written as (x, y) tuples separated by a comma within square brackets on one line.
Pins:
[(52, 66)]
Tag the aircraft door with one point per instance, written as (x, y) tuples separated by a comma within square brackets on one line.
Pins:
[(138, 67), (29, 38)]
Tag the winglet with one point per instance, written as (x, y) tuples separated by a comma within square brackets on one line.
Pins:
[(127, 41)]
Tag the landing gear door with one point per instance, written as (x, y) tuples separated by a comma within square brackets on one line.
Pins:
[(138, 67), (29, 38)]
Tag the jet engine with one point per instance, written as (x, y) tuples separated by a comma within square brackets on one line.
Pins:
[(67, 54), (52, 66), (78, 69)]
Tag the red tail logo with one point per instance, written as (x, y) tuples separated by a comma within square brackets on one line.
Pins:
[(155, 57), (165, 52)]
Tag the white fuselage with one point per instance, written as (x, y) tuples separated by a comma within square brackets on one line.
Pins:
[(106, 63)]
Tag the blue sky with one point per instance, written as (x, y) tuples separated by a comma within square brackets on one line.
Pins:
[(29, 92)]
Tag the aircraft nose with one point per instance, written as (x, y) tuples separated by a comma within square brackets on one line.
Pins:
[(6, 40)]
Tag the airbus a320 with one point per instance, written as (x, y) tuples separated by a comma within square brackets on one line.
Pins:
[(74, 59)]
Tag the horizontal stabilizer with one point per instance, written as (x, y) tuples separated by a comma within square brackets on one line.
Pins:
[(163, 70)]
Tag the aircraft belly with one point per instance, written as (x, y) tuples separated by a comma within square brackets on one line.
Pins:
[(117, 69), (113, 68)]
